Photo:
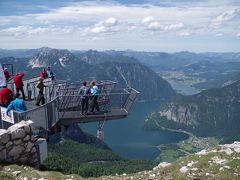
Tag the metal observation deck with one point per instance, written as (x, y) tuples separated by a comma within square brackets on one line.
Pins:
[(63, 105)]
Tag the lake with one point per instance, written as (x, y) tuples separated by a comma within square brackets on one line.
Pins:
[(183, 88), (127, 138)]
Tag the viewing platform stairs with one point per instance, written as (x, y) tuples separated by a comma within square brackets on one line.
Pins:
[(63, 105)]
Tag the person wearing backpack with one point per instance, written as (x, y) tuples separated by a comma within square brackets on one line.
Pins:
[(85, 92)]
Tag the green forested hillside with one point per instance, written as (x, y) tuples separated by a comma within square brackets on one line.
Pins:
[(213, 112), (69, 156)]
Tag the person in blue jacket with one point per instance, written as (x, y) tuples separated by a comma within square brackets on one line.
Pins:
[(18, 105), (94, 97)]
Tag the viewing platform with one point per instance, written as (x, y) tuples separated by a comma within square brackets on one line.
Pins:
[(63, 105)]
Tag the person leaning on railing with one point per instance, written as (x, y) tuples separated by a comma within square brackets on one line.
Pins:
[(17, 79), (18, 105)]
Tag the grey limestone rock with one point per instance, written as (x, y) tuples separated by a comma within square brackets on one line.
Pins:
[(3, 154), (29, 147), (16, 151), (4, 136), (17, 142), (18, 133)]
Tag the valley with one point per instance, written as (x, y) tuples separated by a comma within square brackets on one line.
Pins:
[(195, 114)]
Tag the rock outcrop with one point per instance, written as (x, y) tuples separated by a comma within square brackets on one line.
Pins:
[(17, 144), (220, 162), (213, 112)]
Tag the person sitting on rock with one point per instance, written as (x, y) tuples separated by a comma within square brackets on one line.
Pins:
[(18, 105)]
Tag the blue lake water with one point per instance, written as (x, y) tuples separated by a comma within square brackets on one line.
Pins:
[(183, 88), (127, 138)]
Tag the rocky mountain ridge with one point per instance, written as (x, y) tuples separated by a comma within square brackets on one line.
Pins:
[(52, 57), (94, 65), (213, 112)]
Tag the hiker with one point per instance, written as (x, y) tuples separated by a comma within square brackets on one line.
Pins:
[(40, 97), (17, 79), (94, 97), (18, 105), (6, 74), (43, 73), (5, 96), (85, 92), (50, 74)]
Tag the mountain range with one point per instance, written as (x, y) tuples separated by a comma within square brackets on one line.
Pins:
[(94, 65), (213, 112), (201, 70)]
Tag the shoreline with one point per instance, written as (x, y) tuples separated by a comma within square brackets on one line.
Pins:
[(174, 130)]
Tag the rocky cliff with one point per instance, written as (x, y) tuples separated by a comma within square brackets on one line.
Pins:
[(213, 112)]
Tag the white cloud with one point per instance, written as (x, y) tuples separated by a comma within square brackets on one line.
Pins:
[(224, 17), (154, 26), (131, 28), (219, 34), (184, 34), (111, 21), (169, 27), (238, 34), (148, 19), (99, 29), (174, 26), (103, 27), (20, 31), (98, 20)]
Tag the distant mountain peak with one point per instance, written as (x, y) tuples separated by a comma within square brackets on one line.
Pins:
[(51, 57)]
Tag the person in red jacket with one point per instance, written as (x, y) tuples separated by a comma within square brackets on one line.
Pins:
[(6, 96), (43, 73), (17, 79), (6, 73)]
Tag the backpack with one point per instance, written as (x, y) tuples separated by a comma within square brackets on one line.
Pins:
[(85, 90)]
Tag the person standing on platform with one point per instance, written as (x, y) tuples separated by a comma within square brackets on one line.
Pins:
[(43, 74), (94, 97), (6, 73), (40, 97), (50, 74), (85, 92), (17, 79)]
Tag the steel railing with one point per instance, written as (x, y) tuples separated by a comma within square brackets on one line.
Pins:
[(62, 97)]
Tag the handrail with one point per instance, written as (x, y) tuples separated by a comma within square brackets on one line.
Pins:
[(61, 97)]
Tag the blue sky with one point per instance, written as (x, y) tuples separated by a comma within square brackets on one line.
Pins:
[(144, 25)]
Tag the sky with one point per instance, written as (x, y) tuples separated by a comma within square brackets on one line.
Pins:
[(144, 25)]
